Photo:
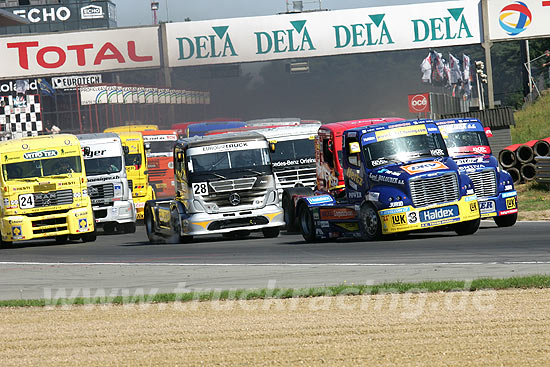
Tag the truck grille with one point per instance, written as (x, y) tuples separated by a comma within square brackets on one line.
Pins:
[(485, 182), (305, 176), (104, 191), (233, 185), (157, 172), (246, 197), (52, 198), (434, 190)]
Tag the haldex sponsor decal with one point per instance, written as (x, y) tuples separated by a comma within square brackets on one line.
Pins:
[(215, 45), (446, 27), (295, 39), (370, 33), (40, 154), (438, 213)]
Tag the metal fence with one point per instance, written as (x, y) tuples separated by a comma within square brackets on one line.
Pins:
[(543, 169)]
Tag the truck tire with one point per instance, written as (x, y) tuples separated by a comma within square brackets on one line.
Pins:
[(129, 227), (109, 228), (369, 223), (5, 244), (305, 221), (467, 228), (175, 224), (89, 237), (289, 213), (506, 220), (150, 225), (271, 232)]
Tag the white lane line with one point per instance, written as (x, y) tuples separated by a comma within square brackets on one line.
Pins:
[(281, 264)]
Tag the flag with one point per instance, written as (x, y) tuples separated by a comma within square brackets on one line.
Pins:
[(426, 69), (44, 87), (455, 75), (438, 68), (467, 77)]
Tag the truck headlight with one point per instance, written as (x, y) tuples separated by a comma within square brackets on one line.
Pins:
[(198, 206), (271, 197)]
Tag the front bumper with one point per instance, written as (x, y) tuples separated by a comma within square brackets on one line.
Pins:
[(250, 220), (504, 204), (408, 218), (119, 212), (22, 227)]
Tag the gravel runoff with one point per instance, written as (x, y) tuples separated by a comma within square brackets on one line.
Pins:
[(485, 328)]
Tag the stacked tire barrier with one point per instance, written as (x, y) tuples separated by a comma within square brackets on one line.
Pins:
[(521, 160)]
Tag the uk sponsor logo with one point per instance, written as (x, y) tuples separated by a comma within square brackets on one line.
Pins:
[(439, 213)]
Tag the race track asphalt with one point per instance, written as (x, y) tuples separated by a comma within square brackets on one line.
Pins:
[(129, 263)]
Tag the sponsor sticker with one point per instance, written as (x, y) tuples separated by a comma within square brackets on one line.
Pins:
[(395, 211), (511, 203), (401, 132), (439, 213), (337, 214), (487, 206), (423, 167), (509, 194), (322, 199)]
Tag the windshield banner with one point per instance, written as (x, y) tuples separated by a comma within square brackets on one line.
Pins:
[(401, 132), (150, 138), (228, 147)]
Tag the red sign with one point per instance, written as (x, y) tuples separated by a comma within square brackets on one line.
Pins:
[(419, 103)]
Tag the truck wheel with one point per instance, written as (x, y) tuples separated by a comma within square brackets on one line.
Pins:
[(109, 228), (129, 227), (289, 213), (271, 232), (150, 225), (506, 220), (176, 236), (89, 237), (369, 223), (466, 228), (5, 244), (305, 220)]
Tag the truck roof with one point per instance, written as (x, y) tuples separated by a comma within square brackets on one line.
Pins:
[(282, 131), (97, 136), (456, 121), (340, 127), (389, 125), (199, 141), (275, 121), (159, 132), (38, 142), (130, 135), (129, 128)]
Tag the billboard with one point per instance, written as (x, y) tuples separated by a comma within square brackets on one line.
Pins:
[(300, 35), (510, 20), (79, 52)]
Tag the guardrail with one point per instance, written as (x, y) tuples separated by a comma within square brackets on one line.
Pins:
[(543, 169)]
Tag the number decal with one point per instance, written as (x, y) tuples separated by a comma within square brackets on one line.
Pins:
[(200, 188), (26, 201)]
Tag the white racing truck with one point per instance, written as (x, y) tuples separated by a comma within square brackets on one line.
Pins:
[(224, 185), (107, 182)]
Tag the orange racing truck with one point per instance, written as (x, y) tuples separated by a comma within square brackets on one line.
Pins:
[(160, 161)]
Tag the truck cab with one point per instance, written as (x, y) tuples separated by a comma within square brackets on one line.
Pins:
[(160, 161), (135, 160), (468, 145), (107, 182), (224, 185), (398, 178), (131, 128), (44, 190)]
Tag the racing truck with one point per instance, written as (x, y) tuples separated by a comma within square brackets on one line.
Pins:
[(468, 145), (160, 162), (224, 185), (136, 170), (107, 182), (44, 190), (398, 178)]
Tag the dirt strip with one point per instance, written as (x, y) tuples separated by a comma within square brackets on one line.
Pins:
[(508, 328)]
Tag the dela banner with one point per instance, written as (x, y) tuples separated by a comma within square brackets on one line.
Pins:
[(285, 36)]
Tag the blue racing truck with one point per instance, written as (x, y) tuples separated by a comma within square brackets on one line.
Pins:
[(398, 178), (468, 145)]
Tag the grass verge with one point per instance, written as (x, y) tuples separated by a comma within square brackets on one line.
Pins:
[(535, 281), (534, 201), (533, 122)]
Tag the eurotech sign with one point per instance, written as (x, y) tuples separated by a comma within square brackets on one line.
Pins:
[(509, 20), (376, 29)]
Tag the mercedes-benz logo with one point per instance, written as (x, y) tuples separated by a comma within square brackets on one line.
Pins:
[(93, 191), (234, 199)]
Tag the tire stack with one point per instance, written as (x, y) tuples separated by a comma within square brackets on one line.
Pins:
[(519, 160)]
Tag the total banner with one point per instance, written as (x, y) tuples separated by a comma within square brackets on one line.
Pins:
[(287, 36), (79, 52), (510, 20)]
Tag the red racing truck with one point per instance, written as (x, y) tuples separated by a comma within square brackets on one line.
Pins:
[(160, 161)]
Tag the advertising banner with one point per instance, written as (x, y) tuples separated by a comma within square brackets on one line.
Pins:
[(419, 102), (79, 52), (510, 20), (285, 36), (93, 95), (71, 82)]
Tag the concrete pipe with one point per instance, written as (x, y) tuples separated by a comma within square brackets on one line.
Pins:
[(516, 176), (507, 156), (542, 148), (525, 153), (528, 171)]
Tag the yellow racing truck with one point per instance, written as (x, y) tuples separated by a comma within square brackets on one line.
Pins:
[(44, 190), (136, 170)]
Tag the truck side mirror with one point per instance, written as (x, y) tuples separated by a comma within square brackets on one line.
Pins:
[(179, 156), (86, 150), (125, 149), (354, 147), (147, 146), (272, 147)]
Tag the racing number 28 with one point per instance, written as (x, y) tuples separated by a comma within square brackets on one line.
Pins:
[(200, 188)]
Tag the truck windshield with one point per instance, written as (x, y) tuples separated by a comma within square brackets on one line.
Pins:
[(42, 168), (404, 149), (468, 141), (293, 150), (133, 160), (250, 159), (103, 166), (164, 147)]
